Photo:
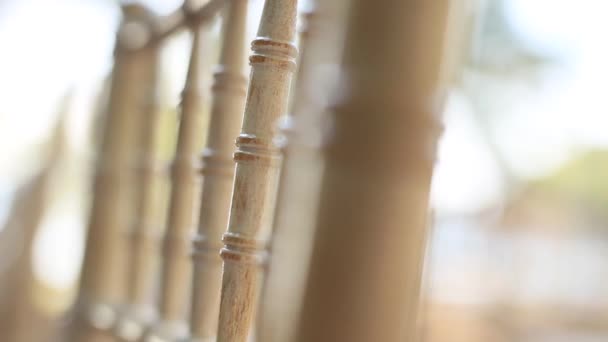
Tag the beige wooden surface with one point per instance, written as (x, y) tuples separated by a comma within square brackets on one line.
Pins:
[(364, 274), (320, 47), (257, 170), (175, 273), (103, 280), (228, 91), (145, 227)]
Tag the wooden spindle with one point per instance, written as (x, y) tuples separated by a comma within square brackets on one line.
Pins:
[(364, 280), (176, 268), (257, 160), (31, 204), (102, 287), (320, 47), (142, 237), (229, 92)]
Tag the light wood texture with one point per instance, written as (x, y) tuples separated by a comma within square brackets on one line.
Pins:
[(103, 280), (364, 273), (297, 202), (176, 269), (257, 170), (229, 92), (142, 237)]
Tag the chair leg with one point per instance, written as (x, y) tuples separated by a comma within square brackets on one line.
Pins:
[(257, 170), (300, 181), (364, 275), (176, 266), (102, 287), (229, 90)]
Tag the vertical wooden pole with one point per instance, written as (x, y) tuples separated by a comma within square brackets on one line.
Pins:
[(364, 279), (176, 268), (229, 92), (142, 237), (257, 159), (21, 319), (102, 287), (320, 48)]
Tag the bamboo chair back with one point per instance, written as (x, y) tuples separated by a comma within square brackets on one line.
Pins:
[(302, 227)]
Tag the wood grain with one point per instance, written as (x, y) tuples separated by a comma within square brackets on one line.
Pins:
[(320, 47), (257, 170)]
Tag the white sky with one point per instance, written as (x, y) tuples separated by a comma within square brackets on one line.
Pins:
[(541, 127)]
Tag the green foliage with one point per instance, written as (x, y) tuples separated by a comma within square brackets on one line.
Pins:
[(584, 179)]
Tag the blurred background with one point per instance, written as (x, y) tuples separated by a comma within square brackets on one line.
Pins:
[(518, 250)]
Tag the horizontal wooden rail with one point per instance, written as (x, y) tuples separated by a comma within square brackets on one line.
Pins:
[(181, 18)]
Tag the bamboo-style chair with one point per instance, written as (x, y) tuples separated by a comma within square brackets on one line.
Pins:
[(313, 228)]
